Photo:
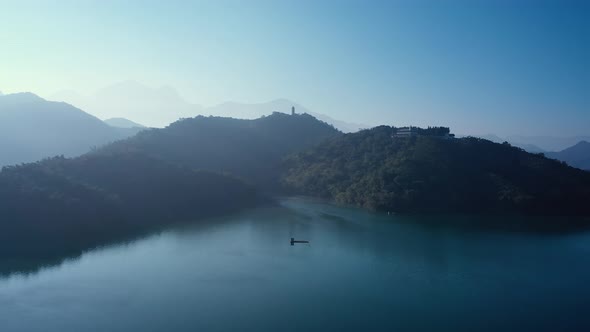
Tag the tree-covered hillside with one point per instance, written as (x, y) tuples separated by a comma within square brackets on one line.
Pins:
[(60, 204), (374, 170), (249, 149), (159, 176)]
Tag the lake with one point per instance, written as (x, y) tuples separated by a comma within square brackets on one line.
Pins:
[(360, 272)]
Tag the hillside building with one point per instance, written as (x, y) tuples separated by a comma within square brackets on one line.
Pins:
[(436, 132), (406, 132)]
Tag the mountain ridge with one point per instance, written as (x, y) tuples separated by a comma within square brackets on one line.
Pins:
[(122, 123), (32, 128), (577, 155), (131, 99)]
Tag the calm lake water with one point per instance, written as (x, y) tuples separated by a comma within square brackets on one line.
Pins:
[(361, 272)]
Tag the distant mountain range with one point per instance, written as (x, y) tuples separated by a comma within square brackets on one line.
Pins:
[(32, 128), (162, 106), (156, 107), (496, 139), (576, 156), (123, 123), (536, 144), (548, 143)]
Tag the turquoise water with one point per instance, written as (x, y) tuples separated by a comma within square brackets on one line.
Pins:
[(360, 272)]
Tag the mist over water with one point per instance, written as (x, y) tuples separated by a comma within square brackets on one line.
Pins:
[(361, 271)]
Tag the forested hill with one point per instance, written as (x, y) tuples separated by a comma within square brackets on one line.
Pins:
[(157, 177), (374, 170), (249, 149), (62, 205)]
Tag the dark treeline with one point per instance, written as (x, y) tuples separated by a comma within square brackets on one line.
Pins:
[(430, 131), (61, 205), (424, 174)]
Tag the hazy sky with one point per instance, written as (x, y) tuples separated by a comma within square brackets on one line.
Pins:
[(506, 67)]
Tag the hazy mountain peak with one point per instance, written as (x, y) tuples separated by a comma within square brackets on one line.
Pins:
[(287, 102), (548, 143), (154, 107), (21, 97), (281, 100), (581, 144), (157, 107), (577, 155), (123, 123), (580, 150), (129, 90), (169, 91), (66, 95), (32, 128), (138, 93)]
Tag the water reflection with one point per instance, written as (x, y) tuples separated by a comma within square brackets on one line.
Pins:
[(361, 271), (427, 241)]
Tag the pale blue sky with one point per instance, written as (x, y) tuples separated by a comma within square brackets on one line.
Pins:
[(506, 67)]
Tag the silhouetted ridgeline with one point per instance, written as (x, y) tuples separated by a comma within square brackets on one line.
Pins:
[(32, 128), (122, 123), (61, 205), (249, 149), (576, 156), (374, 170)]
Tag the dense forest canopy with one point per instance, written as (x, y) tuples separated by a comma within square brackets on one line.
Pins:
[(249, 149), (61, 203), (430, 131), (374, 170)]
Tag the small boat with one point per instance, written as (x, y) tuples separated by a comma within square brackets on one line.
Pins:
[(293, 241)]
